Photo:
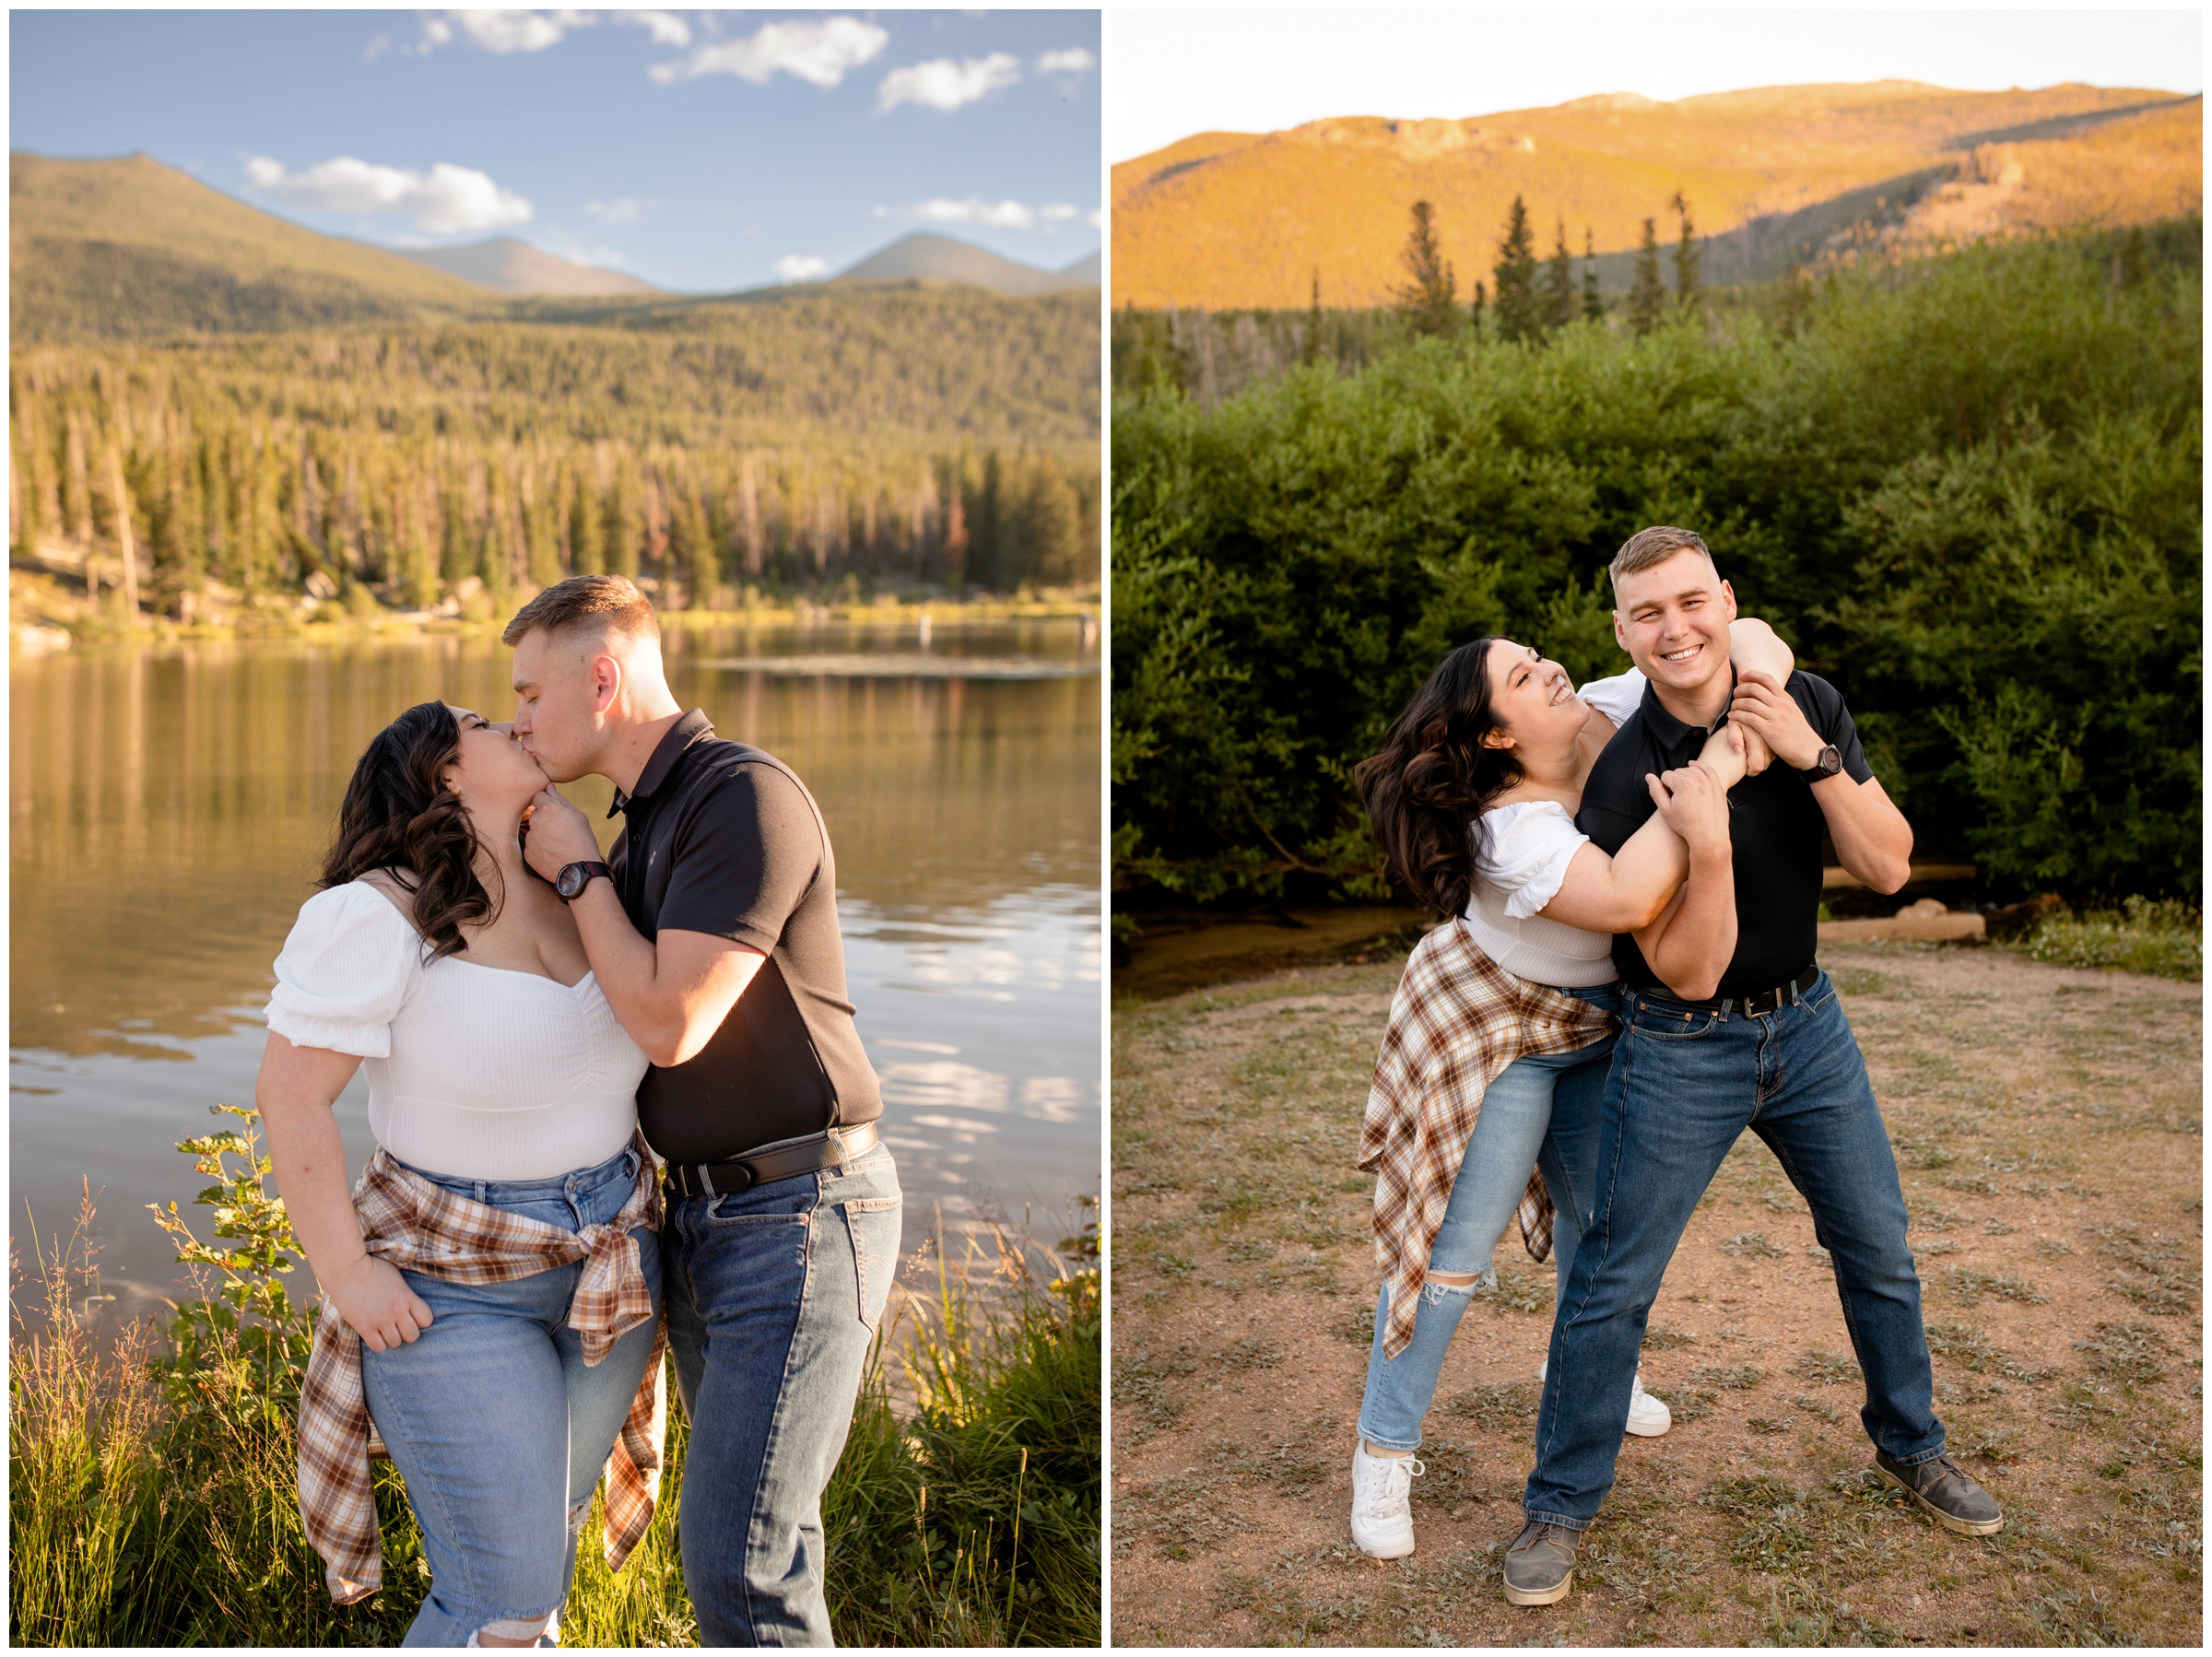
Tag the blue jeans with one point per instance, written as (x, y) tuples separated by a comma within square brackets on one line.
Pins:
[(1686, 1082), (1541, 1110), (498, 1427), (774, 1297)]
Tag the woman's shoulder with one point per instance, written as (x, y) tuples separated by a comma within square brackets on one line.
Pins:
[(1532, 810), (376, 903)]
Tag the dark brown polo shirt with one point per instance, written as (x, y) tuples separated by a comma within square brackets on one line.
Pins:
[(724, 838)]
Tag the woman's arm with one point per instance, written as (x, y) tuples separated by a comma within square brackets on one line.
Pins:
[(1629, 890), (1691, 942), (294, 1093)]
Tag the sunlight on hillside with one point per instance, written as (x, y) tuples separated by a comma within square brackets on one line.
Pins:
[(1233, 221)]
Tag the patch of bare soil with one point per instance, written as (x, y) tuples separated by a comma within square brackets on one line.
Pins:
[(2047, 1124)]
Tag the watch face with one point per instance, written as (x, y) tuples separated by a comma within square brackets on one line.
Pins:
[(574, 879)]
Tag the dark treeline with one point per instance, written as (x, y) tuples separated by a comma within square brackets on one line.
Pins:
[(1967, 489), (948, 440)]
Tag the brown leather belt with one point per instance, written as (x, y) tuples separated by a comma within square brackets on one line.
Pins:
[(831, 1148), (1751, 1006)]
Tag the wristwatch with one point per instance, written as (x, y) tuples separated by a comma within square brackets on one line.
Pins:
[(1828, 765), (573, 877)]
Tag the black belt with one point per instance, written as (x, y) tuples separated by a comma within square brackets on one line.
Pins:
[(1751, 1006), (786, 1160)]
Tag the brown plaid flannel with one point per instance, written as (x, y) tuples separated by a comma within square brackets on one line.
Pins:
[(421, 1226), (1458, 1018)]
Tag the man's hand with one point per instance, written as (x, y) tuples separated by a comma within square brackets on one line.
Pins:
[(1757, 755), (1694, 803), (1768, 712), (559, 834), (374, 1299)]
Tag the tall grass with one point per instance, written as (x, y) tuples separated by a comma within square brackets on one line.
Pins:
[(2166, 940), (152, 1467)]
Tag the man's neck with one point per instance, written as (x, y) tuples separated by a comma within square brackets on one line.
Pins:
[(632, 749), (1700, 706)]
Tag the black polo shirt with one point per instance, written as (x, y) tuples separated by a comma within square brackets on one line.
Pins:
[(732, 844), (1774, 827)]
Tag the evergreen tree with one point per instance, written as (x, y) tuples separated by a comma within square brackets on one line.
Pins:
[(1558, 298), (1689, 292), (1594, 304), (587, 531), (1647, 293), (1518, 317), (1430, 297), (1477, 315), (1312, 351)]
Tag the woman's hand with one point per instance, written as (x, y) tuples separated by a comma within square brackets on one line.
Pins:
[(1694, 802), (375, 1301)]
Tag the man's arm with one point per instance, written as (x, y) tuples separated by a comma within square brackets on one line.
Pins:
[(1873, 840), (671, 994), (1691, 942)]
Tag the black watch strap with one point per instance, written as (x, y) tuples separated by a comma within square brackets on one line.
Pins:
[(1830, 763), (573, 877)]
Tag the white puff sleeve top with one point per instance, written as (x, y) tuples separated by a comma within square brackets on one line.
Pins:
[(473, 1071), (1519, 869)]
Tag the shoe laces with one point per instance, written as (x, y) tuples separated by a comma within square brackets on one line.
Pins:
[(1397, 1495)]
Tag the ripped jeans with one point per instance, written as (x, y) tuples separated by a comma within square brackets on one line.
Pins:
[(1542, 1110), (497, 1423)]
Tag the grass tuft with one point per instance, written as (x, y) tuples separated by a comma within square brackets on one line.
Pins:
[(152, 1470)]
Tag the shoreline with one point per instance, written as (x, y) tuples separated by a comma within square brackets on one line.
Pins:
[(45, 633)]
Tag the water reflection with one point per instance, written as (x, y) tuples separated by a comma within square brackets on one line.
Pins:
[(168, 808)]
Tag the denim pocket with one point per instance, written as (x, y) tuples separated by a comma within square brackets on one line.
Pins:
[(1658, 1027), (873, 1225)]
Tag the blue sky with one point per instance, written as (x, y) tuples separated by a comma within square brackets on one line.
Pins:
[(701, 151), (1256, 68)]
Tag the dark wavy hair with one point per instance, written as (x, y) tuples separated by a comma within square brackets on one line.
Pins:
[(1427, 787), (399, 815)]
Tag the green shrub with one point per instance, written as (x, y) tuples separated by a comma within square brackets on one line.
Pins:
[(1965, 490), (2166, 940)]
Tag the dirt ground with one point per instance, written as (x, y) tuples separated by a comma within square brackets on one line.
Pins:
[(2048, 1130)]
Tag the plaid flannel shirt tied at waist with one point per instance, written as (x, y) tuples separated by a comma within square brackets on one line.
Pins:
[(422, 1226), (1458, 1018)]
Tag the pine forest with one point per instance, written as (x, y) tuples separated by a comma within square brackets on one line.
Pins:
[(831, 443)]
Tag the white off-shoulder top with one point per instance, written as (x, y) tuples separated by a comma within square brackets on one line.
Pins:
[(1522, 865), (473, 1071)]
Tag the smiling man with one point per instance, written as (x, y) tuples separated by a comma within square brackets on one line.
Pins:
[(1771, 1050)]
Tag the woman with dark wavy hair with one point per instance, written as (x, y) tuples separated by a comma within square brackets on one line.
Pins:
[(1472, 797), (491, 1288)]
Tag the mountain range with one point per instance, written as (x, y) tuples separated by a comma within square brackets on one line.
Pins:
[(1774, 176), (130, 248)]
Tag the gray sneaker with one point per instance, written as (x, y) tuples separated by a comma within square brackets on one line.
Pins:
[(1941, 1489), (1540, 1566)]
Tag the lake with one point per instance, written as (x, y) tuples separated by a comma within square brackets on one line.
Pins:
[(168, 807)]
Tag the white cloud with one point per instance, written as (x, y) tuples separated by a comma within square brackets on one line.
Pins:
[(437, 30), (623, 210), (942, 84), (1056, 211), (445, 201), (1073, 61), (505, 31), (817, 52), (667, 28), (1003, 216), (1098, 217), (801, 267), (378, 45)]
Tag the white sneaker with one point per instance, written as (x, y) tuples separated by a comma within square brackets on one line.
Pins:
[(1648, 1417), (1382, 1503)]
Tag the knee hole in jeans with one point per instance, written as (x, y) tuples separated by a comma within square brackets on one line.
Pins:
[(531, 1629)]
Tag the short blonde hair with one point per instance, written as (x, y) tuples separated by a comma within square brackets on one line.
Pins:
[(609, 603), (1649, 547)]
